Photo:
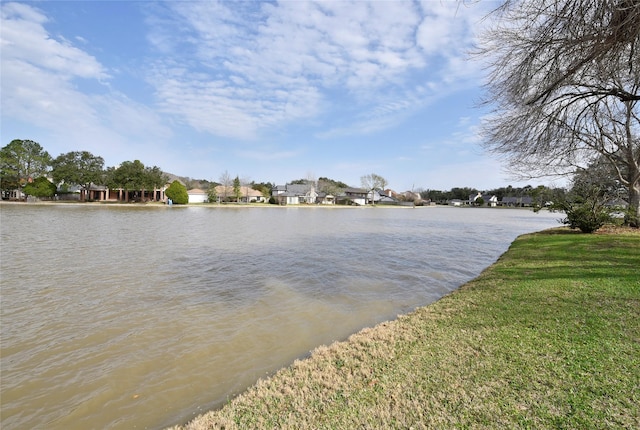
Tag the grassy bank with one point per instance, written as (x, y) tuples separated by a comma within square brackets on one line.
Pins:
[(548, 337)]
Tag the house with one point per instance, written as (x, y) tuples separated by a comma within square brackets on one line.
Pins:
[(326, 199), (380, 197), (102, 193), (488, 200), (387, 200), (617, 203), (247, 194), (356, 196), (411, 196), (517, 201), (252, 196), (196, 195), (15, 194), (374, 196), (295, 194)]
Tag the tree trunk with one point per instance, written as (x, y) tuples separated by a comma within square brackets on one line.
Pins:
[(634, 204)]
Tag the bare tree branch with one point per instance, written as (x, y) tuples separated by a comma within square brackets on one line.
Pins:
[(564, 84)]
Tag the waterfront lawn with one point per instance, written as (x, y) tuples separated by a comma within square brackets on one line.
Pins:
[(547, 337)]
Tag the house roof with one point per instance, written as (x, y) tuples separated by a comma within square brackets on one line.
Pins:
[(298, 188), (352, 190), (291, 190), (245, 191), (195, 191), (517, 200)]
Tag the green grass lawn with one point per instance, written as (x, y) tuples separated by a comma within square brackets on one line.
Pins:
[(547, 337)]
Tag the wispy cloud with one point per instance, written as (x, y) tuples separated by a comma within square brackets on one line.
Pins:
[(226, 85), (247, 68), (26, 43), (40, 79)]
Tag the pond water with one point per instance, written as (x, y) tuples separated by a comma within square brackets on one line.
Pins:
[(121, 317)]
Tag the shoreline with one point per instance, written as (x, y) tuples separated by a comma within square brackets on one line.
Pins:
[(449, 364), (208, 205), (241, 205)]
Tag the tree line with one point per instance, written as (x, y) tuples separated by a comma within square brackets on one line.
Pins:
[(26, 166)]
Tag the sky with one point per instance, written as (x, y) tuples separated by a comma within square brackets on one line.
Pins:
[(266, 91)]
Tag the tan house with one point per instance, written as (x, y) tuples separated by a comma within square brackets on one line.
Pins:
[(247, 194)]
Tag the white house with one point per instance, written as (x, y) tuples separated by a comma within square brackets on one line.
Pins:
[(196, 195), (295, 194)]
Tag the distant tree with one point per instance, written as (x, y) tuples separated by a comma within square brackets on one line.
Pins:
[(237, 189), (226, 182), (331, 186), (372, 183), (437, 196), (177, 193), (462, 193), (129, 176), (190, 183), (78, 168), (154, 178), (21, 160), (41, 187), (326, 182), (212, 194)]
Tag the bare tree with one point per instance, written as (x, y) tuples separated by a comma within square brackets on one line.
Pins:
[(226, 181), (565, 85), (373, 182)]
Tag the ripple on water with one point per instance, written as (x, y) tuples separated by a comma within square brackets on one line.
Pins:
[(139, 317)]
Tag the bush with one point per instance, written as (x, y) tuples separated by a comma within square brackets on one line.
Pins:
[(40, 187), (586, 217), (631, 218), (177, 193)]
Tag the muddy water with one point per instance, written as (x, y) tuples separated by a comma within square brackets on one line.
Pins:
[(142, 317)]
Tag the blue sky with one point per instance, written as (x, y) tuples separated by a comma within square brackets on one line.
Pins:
[(268, 91)]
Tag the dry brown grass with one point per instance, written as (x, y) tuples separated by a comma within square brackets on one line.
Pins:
[(618, 229)]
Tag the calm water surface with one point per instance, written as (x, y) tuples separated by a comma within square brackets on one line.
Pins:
[(142, 317)]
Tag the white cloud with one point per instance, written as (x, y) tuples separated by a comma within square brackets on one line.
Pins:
[(250, 71), (25, 42), (40, 76), (248, 68)]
